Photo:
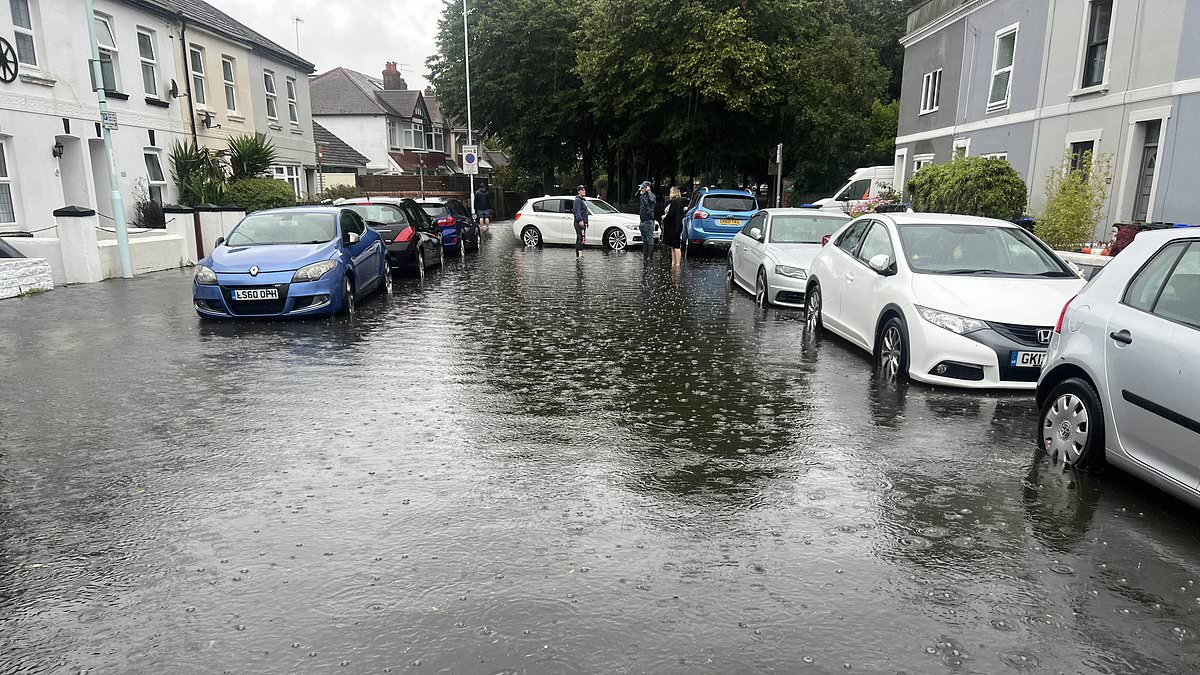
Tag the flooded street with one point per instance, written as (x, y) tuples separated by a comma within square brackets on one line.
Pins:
[(526, 464)]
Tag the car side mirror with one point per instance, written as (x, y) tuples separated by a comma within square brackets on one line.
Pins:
[(882, 264), (756, 233), (825, 240), (352, 238), (220, 240)]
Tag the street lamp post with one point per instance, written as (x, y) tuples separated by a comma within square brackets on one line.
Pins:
[(106, 134), (467, 65)]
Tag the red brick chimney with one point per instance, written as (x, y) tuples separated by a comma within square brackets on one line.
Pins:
[(392, 80)]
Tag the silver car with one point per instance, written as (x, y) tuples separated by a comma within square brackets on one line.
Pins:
[(1122, 376)]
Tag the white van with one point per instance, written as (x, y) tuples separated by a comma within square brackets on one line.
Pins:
[(864, 184)]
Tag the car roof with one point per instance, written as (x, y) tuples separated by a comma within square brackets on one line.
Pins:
[(433, 200), (372, 200), (1170, 233), (791, 211), (333, 210), (941, 219), (725, 191)]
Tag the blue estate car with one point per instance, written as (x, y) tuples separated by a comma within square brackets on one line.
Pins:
[(303, 261), (715, 216)]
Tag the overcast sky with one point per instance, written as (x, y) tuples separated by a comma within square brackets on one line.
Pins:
[(359, 34)]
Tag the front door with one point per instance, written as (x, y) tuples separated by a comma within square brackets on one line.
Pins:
[(1152, 350), (748, 255), (862, 299), (1146, 171), (844, 270), (363, 253)]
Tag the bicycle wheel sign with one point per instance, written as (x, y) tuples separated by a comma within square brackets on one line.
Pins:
[(8, 62)]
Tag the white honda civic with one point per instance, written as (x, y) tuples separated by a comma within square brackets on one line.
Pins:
[(771, 256), (943, 299)]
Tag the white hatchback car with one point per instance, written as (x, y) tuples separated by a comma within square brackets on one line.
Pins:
[(771, 256), (943, 299), (1121, 378), (550, 220)]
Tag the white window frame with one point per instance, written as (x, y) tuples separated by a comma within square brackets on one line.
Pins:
[(393, 132), (28, 31), (963, 144), (997, 71), (1081, 65), (290, 175), (272, 94), (113, 52), (996, 155), (199, 77), (230, 82), (414, 135), (7, 178), (151, 62), (439, 139), (293, 104), (160, 185), (931, 92), (922, 161)]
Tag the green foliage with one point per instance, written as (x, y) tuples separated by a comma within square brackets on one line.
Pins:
[(256, 194), (1074, 201), (970, 186), (250, 155), (199, 173), (338, 192)]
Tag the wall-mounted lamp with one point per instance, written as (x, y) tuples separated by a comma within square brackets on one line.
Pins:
[(57, 150)]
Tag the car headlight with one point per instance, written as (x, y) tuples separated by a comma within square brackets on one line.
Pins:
[(205, 276), (793, 272), (314, 271), (951, 322)]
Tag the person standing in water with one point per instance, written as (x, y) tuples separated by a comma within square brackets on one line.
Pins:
[(580, 211), (647, 205), (673, 225), (483, 207)]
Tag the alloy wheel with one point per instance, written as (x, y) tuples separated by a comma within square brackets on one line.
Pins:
[(812, 311), (387, 278), (348, 297), (760, 290), (531, 237), (420, 264), (1065, 428), (617, 241), (891, 352)]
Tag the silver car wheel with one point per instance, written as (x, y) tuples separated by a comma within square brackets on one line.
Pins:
[(1065, 428), (420, 264), (891, 351), (617, 241), (760, 290), (812, 311), (531, 237), (387, 277)]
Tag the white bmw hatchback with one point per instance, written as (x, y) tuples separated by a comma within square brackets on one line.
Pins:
[(550, 220), (943, 299), (772, 254)]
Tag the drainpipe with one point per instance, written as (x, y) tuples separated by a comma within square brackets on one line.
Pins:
[(187, 74)]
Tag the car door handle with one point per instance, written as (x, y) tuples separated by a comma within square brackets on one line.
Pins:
[(849, 276), (1123, 336)]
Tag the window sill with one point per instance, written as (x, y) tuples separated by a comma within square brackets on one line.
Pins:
[(274, 126), (38, 79), (116, 95), (157, 102), (927, 112), (235, 118), (1087, 91), (997, 107)]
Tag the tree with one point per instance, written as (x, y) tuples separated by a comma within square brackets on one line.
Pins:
[(970, 186), (1075, 200)]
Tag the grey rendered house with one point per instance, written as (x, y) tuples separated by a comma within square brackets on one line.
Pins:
[(1030, 80)]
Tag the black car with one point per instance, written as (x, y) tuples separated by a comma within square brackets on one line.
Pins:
[(460, 232), (414, 241)]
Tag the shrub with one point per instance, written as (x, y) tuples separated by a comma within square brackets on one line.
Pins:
[(1074, 201), (250, 155), (256, 194), (199, 173), (338, 192), (970, 186)]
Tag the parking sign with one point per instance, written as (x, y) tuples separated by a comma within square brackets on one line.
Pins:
[(471, 159)]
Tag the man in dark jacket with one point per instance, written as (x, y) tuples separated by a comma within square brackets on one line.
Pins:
[(483, 207), (580, 210), (647, 205)]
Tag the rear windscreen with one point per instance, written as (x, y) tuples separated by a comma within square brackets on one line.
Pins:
[(435, 210), (730, 203)]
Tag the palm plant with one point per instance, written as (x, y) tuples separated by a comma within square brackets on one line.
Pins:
[(250, 155), (199, 173)]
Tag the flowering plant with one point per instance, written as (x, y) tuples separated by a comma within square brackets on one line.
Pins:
[(867, 206)]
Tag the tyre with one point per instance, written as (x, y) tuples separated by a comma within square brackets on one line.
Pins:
[(729, 273), (762, 292), (531, 237), (615, 240), (386, 287), (1071, 425), (420, 263), (462, 245), (347, 296), (891, 356), (812, 310)]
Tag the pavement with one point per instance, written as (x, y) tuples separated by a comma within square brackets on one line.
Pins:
[(529, 464)]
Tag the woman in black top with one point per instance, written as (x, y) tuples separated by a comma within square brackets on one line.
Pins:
[(673, 224)]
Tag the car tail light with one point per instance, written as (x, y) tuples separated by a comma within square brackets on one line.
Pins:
[(446, 221), (517, 217), (825, 240), (404, 235), (1062, 314), (701, 215)]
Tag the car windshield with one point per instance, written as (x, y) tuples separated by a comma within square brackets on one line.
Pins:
[(978, 251), (803, 229), (284, 228), (730, 203), (435, 210), (600, 206), (382, 214)]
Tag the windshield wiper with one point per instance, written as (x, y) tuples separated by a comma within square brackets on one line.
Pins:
[(1054, 273), (975, 271)]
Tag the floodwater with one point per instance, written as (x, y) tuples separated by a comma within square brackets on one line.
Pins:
[(532, 465)]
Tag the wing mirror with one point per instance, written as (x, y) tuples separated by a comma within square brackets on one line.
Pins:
[(882, 264), (825, 240), (756, 233), (220, 240), (352, 238)]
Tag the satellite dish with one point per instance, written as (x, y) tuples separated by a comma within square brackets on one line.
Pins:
[(174, 90)]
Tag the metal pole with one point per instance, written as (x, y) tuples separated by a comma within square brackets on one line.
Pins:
[(117, 203), (778, 173), (467, 64)]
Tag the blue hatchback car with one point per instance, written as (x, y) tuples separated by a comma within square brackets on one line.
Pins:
[(293, 262), (716, 215)]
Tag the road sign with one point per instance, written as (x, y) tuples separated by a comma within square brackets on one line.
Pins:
[(109, 120), (470, 159)]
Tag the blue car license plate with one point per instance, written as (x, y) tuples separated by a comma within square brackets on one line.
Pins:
[(1027, 359), (256, 294)]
